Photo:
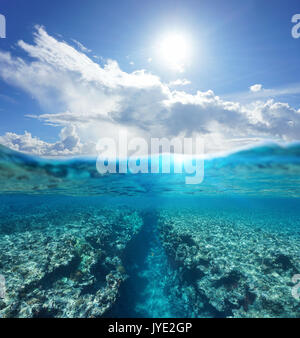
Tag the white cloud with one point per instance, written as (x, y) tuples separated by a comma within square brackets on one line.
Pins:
[(81, 46), (91, 101), (256, 88), (69, 143), (266, 94), (179, 82)]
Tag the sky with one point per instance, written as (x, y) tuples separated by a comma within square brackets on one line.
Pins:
[(72, 72)]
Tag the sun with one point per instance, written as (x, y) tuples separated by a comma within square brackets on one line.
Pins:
[(174, 50)]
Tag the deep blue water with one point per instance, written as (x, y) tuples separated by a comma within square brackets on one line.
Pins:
[(256, 190)]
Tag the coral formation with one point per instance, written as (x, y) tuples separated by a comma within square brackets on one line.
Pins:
[(233, 264), (70, 258), (70, 267)]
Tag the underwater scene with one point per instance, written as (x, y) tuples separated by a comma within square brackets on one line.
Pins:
[(74, 243)]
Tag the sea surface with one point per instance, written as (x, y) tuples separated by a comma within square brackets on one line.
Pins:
[(74, 243)]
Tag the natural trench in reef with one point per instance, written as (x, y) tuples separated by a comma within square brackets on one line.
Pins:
[(150, 289)]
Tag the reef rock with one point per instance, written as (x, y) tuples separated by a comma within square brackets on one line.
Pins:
[(72, 267), (229, 265)]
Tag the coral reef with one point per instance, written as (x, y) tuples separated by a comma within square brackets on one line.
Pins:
[(233, 264), (69, 267), (71, 257)]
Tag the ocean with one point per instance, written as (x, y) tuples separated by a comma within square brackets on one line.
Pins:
[(74, 243)]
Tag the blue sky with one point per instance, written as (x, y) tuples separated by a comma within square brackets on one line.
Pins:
[(234, 45)]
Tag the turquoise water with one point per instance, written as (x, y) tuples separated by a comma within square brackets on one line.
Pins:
[(74, 243)]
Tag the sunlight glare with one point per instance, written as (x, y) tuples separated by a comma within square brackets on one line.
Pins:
[(174, 49)]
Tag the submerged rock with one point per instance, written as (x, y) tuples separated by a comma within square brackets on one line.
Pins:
[(229, 266), (70, 268)]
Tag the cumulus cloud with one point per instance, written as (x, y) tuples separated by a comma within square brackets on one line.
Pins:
[(89, 101), (277, 119), (256, 88), (69, 144)]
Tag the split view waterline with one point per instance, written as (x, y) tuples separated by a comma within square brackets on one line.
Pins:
[(149, 161)]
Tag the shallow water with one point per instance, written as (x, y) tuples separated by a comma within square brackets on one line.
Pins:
[(74, 243)]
